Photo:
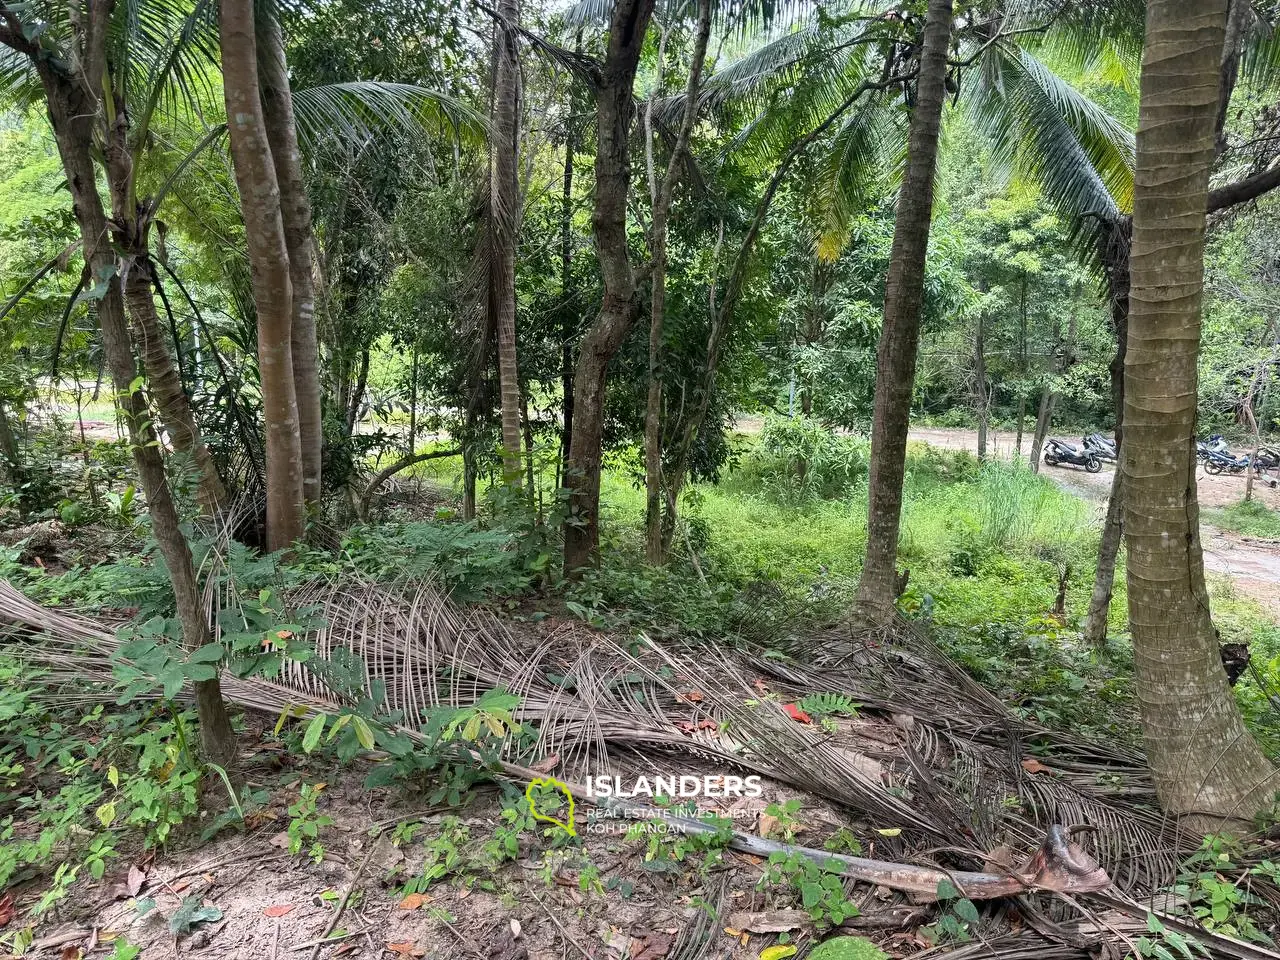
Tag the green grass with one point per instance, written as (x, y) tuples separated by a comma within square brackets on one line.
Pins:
[(1251, 518)]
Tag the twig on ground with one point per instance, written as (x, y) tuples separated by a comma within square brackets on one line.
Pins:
[(342, 905), (326, 940), (556, 920)]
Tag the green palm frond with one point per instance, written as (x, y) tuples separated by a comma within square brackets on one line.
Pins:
[(364, 109), (1261, 63), (1041, 128), (1078, 29), (861, 164), (736, 17)]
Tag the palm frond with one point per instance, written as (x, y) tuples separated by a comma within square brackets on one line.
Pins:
[(1042, 128), (857, 169), (363, 110)]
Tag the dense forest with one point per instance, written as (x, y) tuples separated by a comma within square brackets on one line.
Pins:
[(638, 480)]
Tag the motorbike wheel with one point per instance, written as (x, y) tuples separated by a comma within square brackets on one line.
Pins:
[(1212, 466), (1092, 465), (1050, 460)]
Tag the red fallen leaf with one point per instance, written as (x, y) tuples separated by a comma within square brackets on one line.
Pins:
[(278, 910), (651, 945), (708, 725), (693, 696), (1032, 765), (796, 714), (547, 763), (346, 948), (6, 909), (685, 727)]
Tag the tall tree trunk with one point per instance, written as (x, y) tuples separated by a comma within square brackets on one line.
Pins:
[(73, 106), (295, 214), (628, 23), (900, 338), (1203, 760), (269, 266), (504, 205), (1022, 364), (569, 315), (130, 230), (164, 382), (980, 382), (661, 197), (1116, 258)]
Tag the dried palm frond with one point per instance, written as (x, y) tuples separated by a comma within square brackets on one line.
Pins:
[(932, 753)]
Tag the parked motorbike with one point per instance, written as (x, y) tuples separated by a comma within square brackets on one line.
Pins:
[(1215, 444), (1102, 447), (1057, 452), (1217, 462)]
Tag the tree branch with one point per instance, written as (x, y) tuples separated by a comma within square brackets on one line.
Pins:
[(1244, 190)]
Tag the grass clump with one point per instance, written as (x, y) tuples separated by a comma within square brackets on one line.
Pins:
[(1250, 518)]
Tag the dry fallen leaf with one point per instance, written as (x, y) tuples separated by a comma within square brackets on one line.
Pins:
[(547, 763), (693, 696), (278, 910), (413, 901), (406, 949), (515, 929), (6, 908), (651, 945), (769, 921), (72, 952), (1032, 765)]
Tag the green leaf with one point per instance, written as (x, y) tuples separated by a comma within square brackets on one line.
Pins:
[(191, 913), (847, 948), (966, 911), (315, 729), (947, 890), (106, 813), (364, 735), (209, 653)]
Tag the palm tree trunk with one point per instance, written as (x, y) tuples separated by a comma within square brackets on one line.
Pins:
[(1203, 760), (269, 263), (900, 338), (1022, 365), (504, 200), (73, 108), (295, 212), (1116, 258), (628, 23)]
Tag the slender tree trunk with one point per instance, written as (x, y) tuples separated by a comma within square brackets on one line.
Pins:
[(504, 204), (661, 197), (12, 458), (629, 21), (73, 107), (165, 385), (1022, 364), (1116, 256), (260, 203), (413, 404), (1048, 399), (130, 231), (355, 394), (980, 378), (1203, 760), (569, 315), (295, 214), (900, 338)]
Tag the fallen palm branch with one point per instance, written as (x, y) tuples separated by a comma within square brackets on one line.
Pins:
[(362, 505), (938, 776)]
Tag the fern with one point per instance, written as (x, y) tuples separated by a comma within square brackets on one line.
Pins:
[(829, 704)]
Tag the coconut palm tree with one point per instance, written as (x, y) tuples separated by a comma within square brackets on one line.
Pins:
[(1203, 760)]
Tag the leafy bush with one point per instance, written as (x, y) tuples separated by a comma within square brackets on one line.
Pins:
[(798, 460)]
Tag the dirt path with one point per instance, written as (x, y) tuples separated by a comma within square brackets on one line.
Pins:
[(1252, 564)]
